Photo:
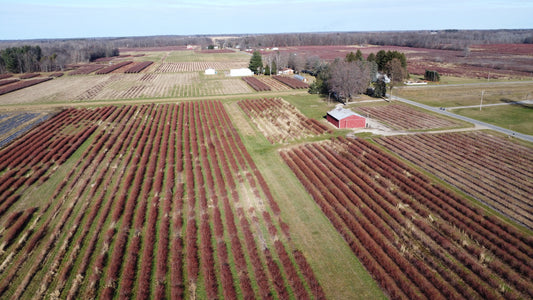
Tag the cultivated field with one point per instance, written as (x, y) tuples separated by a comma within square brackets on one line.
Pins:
[(174, 184), (15, 124), (417, 238), (403, 117), (492, 169), (279, 121), (160, 201)]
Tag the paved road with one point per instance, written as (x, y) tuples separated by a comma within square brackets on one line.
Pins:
[(488, 83), (515, 134), (528, 102)]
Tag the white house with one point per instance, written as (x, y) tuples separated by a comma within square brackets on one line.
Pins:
[(210, 71), (286, 71), (240, 72)]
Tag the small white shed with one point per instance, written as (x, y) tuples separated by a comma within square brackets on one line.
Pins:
[(240, 72), (210, 71)]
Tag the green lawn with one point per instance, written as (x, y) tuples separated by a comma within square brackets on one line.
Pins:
[(450, 96), (513, 117)]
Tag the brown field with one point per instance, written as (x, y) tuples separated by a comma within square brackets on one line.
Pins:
[(197, 66), (279, 121), (126, 86)]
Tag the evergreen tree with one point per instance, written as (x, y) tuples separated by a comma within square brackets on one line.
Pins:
[(267, 70), (256, 63), (380, 88), (432, 75), (381, 59), (350, 57), (371, 57), (359, 55)]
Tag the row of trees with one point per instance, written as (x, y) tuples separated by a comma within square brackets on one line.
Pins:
[(53, 56)]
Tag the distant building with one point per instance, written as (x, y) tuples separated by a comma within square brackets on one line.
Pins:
[(210, 71), (286, 71), (345, 118), (241, 72)]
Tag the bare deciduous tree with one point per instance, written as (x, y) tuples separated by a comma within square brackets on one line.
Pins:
[(396, 72), (348, 79)]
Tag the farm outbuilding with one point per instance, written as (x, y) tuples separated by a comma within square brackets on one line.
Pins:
[(345, 118), (210, 71), (240, 72)]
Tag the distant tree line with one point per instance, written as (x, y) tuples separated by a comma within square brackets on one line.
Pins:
[(52, 57), (433, 39), (21, 59), (56, 54)]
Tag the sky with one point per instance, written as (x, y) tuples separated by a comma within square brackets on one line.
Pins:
[(43, 19)]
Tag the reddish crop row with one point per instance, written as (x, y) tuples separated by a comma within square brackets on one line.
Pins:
[(280, 121), (138, 67), (112, 68), (29, 75), (86, 69), (8, 81), (256, 84), (22, 84), (291, 82), (491, 169), (417, 239), (403, 117), (149, 208)]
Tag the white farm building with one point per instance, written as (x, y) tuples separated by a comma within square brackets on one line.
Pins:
[(240, 72)]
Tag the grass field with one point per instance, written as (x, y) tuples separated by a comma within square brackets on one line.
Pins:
[(463, 95), (514, 117)]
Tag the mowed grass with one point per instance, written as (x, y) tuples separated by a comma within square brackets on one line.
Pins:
[(514, 117), (338, 270), (464, 95)]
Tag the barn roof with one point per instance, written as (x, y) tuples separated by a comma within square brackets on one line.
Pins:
[(341, 113)]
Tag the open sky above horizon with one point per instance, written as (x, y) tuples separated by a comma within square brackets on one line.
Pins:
[(42, 19)]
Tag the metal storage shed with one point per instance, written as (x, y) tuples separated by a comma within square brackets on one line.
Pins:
[(345, 118)]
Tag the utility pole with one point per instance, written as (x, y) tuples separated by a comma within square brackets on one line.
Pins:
[(481, 103)]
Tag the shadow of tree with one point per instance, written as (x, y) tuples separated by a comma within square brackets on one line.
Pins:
[(518, 103)]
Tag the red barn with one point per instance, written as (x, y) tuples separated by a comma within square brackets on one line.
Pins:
[(345, 118)]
